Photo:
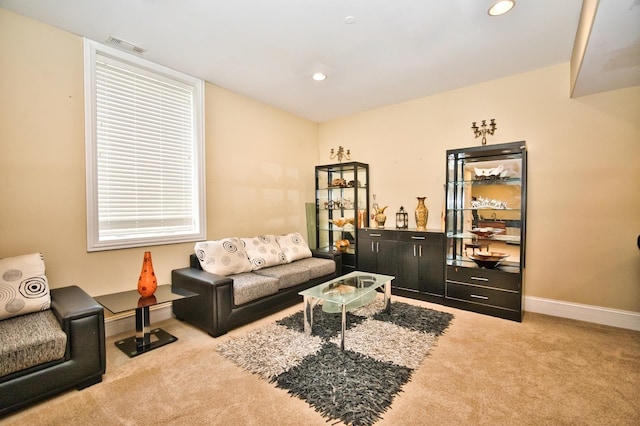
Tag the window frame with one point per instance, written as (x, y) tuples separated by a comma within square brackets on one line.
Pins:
[(93, 50)]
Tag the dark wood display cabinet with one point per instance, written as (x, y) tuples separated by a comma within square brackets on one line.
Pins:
[(486, 228), (413, 257), (342, 209)]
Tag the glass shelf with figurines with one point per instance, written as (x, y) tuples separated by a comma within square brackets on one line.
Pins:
[(341, 208), (485, 228)]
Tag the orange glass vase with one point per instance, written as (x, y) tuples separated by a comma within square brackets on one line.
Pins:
[(147, 283)]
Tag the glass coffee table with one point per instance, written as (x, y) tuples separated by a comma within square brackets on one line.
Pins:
[(145, 338), (344, 294)]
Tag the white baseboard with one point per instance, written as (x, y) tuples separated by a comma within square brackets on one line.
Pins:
[(127, 322), (595, 314)]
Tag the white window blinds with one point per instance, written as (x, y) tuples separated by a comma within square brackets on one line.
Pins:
[(147, 181)]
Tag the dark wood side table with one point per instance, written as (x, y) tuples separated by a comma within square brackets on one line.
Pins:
[(145, 339)]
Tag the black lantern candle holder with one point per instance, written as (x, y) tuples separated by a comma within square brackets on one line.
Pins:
[(402, 219)]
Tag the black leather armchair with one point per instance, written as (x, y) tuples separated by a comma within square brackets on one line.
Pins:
[(84, 363)]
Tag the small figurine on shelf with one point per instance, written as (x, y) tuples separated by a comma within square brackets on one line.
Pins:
[(378, 213)]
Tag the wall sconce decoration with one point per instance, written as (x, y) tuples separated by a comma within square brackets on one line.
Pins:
[(340, 154), (483, 130), (402, 219)]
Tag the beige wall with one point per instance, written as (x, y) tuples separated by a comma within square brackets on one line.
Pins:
[(583, 169), (259, 164), (584, 173)]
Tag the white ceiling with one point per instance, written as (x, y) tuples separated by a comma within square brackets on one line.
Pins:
[(396, 50)]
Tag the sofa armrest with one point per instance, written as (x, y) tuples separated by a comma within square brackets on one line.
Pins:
[(82, 319), (193, 279), (69, 303), (336, 256), (212, 306)]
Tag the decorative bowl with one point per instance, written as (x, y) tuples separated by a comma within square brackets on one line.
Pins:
[(342, 245), (339, 222), (488, 259), (342, 221), (486, 232)]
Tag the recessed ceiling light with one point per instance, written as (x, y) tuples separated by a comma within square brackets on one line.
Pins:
[(319, 76), (349, 19), (501, 7)]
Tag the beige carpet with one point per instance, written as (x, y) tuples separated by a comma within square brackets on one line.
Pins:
[(483, 371)]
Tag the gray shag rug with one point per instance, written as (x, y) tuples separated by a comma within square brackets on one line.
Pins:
[(357, 385)]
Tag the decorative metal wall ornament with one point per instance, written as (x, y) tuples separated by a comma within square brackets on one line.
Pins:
[(483, 130), (340, 154)]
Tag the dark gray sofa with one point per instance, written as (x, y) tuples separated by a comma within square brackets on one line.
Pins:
[(214, 309), (82, 320)]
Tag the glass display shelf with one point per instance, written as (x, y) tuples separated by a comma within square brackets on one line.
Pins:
[(497, 238), (341, 207), (473, 182), (508, 266), (461, 209)]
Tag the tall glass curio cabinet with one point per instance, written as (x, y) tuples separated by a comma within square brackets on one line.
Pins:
[(342, 208), (486, 194)]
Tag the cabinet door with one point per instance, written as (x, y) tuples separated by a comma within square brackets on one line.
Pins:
[(407, 271), (386, 257), (367, 256), (420, 262), (377, 252), (431, 265)]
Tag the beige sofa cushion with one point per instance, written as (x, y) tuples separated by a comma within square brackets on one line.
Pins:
[(263, 251), (288, 275), (30, 340), (251, 286), (24, 288), (293, 246), (223, 257), (317, 267)]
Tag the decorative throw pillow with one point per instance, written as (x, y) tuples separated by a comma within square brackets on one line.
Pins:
[(23, 286), (223, 257), (293, 246), (263, 251)]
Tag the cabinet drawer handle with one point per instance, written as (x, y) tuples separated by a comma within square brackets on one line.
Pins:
[(375, 235), (480, 278), (418, 238), (479, 297), (420, 250), (373, 250), (414, 251)]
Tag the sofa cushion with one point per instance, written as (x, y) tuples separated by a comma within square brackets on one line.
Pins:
[(251, 286), (263, 251), (23, 286), (318, 267), (30, 340), (288, 275), (293, 246), (223, 257)]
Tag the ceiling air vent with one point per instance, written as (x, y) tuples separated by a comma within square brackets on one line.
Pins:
[(125, 45)]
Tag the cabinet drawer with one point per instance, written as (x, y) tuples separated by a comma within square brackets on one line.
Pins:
[(483, 296), (417, 237), (377, 234), (484, 277)]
